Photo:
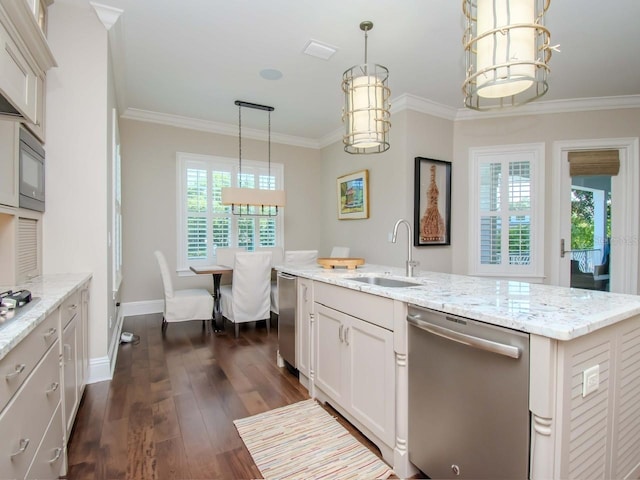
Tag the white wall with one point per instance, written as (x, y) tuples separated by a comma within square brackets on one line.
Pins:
[(391, 192), (74, 224), (149, 198)]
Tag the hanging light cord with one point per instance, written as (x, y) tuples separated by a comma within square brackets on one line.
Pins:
[(240, 144), (269, 150)]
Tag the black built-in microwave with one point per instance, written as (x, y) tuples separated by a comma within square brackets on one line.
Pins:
[(31, 158)]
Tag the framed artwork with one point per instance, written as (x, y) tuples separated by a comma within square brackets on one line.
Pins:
[(432, 203), (353, 195)]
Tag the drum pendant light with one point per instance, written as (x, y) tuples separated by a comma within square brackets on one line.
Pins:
[(366, 105), (507, 52)]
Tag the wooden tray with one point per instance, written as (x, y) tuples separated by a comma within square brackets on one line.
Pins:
[(350, 263)]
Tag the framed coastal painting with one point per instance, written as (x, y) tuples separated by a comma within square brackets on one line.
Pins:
[(353, 195), (432, 202)]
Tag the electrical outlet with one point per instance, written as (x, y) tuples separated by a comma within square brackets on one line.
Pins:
[(590, 380)]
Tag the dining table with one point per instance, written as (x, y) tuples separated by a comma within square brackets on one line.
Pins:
[(216, 271)]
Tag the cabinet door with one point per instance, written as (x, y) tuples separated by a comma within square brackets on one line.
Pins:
[(303, 310), (371, 377), (330, 371), (9, 144), (18, 82), (69, 374), (49, 458)]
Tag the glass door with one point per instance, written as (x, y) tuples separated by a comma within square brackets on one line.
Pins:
[(590, 232)]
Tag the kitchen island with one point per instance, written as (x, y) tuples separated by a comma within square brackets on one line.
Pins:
[(571, 332)]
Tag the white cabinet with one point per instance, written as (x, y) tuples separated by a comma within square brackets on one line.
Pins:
[(303, 327), (25, 57), (18, 80), (72, 362), (29, 413), (356, 368), (9, 144)]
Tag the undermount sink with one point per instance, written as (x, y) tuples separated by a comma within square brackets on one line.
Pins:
[(385, 282)]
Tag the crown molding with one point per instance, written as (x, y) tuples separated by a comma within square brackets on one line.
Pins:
[(216, 127), (401, 103), (555, 106), (107, 15), (407, 101)]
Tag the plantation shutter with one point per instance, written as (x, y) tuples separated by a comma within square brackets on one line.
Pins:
[(594, 162), (27, 247)]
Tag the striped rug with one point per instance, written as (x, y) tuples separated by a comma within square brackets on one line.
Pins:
[(302, 441)]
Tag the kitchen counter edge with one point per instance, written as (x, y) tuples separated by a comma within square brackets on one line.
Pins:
[(51, 290)]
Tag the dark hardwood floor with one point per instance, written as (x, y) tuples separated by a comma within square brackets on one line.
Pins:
[(168, 411)]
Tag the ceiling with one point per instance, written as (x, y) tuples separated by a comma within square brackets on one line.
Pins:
[(193, 58)]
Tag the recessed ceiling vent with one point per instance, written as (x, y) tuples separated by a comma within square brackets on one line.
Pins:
[(319, 50)]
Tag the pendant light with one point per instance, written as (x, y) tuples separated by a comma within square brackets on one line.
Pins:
[(366, 105), (507, 52), (242, 198)]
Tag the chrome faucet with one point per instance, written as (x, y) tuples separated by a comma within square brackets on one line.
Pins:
[(394, 237)]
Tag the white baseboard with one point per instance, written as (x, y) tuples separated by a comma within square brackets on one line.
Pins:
[(99, 370), (146, 307)]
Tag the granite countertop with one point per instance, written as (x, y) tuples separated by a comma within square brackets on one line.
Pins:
[(48, 292), (547, 310)]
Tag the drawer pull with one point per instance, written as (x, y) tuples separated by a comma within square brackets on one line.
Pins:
[(54, 386), (52, 331), (58, 452), (24, 443), (73, 306), (18, 370)]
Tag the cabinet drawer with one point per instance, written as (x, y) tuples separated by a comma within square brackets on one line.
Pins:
[(27, 416), (50, 455), (19, 362), (368, 307), (70, 308)]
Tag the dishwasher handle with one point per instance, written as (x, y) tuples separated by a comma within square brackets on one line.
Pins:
[(287, 276), (471, 341)]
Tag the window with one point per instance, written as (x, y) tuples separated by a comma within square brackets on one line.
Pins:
[(506, 205), (204, 224)]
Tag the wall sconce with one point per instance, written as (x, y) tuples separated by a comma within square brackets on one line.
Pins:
[(507, 52), (366, 105), (241, 198)]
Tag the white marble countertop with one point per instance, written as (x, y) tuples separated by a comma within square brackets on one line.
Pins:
[(546, 310), (50, 291)]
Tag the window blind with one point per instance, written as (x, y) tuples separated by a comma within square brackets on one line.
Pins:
[(27, 247), (594, 162)]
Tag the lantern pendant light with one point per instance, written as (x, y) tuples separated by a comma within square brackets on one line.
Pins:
[(507, 52), (366, 105)]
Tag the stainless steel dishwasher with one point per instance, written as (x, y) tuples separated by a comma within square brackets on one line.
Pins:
[(468, 397), (287, 302)]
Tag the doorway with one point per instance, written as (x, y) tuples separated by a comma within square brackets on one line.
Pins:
[(590, 232), (597, 216)]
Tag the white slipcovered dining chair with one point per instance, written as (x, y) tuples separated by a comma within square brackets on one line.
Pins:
[(247, 299), (277, 257), (340, 252), (182, 305), (226, 255)]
